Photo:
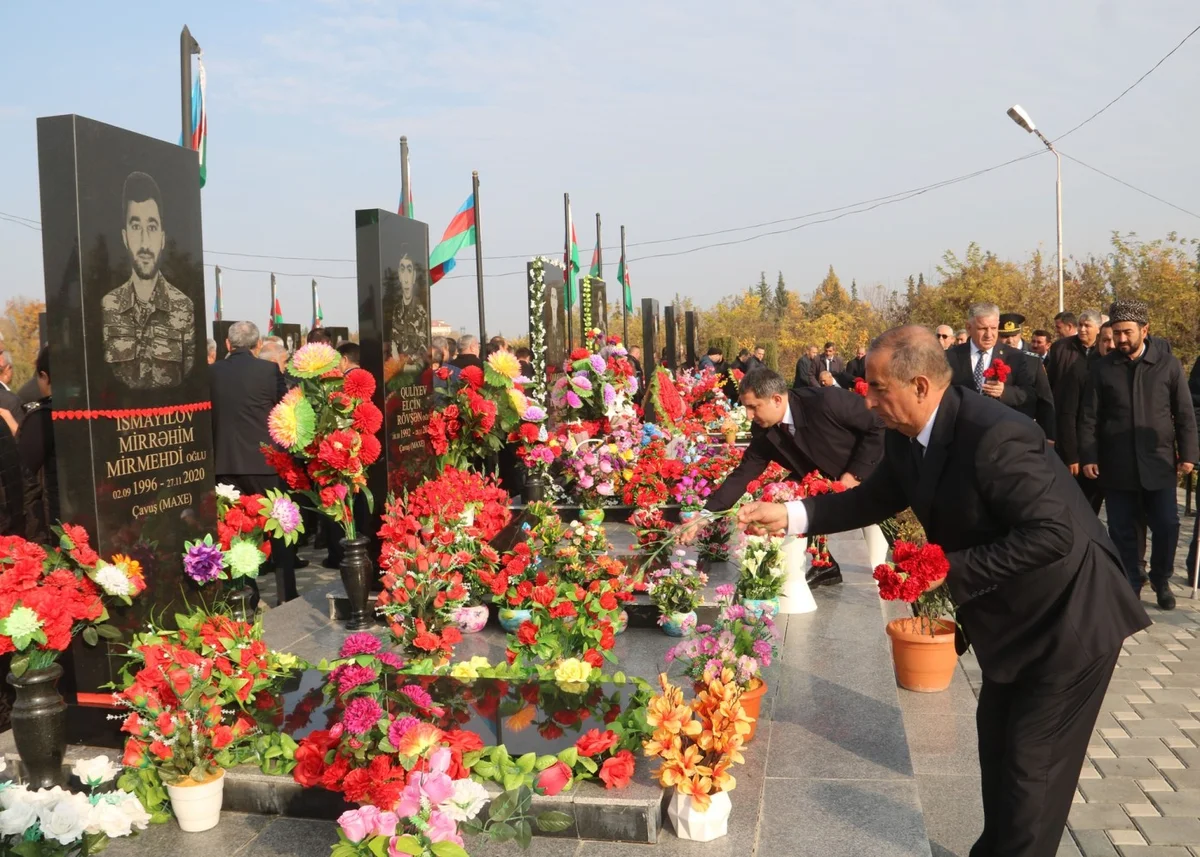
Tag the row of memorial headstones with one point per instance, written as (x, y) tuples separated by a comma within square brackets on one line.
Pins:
[(291, 334)]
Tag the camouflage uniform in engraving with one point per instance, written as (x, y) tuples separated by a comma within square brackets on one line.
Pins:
[(410, 330), (149, 345)]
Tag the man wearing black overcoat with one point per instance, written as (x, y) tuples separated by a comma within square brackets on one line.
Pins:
[(971, 361), (1038, 584)]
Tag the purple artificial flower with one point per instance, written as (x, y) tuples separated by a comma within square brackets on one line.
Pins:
[(400, 728), (287, 513), (391, 659), (203, 562), (573, 400), (633, 384), (762, 648), (360, 644), (361, 715), (598, 363), (582, 382), (352, 675), (533, 414), (418, 695)]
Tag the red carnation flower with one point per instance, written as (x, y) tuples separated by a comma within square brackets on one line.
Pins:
[(359, 383), (472, 375), (580, 354)]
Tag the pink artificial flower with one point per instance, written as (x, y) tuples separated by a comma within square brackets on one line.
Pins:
[(354, 825), (443, 828)]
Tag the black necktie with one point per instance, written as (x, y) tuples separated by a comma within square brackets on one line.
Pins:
[(918, 453)]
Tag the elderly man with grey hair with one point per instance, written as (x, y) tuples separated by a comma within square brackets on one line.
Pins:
[(468, 352), (244, 389), (9, 400), (1076, 347), (971, 364), (212, 351), (945, 336)]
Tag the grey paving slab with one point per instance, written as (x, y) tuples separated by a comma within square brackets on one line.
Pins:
[(1112, 790), (1170, 831), (953, 809), (1098, 816), (1185, 803), (1094, 843), (293, 837), (234, 832), (943, 744)]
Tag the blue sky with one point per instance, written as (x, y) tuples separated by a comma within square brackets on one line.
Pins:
[(670, 117)]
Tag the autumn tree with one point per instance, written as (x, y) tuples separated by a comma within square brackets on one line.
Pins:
[(19, 329), (782, 297), (829, 297)]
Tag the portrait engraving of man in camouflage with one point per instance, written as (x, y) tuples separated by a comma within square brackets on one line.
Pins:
[(149, 325), (410, 320)]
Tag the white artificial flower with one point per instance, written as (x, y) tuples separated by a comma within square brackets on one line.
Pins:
[(228, 492), (93, 772), (138, 817), (112, 580), (65, 820), (117, 814), (466, 802), (3, 764), (19, 813)]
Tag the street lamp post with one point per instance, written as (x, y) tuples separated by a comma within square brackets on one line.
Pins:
[(1018, 115)]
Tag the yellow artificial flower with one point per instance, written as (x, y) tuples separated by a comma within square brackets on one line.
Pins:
[(505, 363), (517, 399)]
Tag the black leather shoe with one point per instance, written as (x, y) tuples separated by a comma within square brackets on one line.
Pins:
[(300, 563), (1166, 598), (824, 576)]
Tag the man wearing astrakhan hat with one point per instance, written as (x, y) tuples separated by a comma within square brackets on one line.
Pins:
[(1040, 407), (1137, 436)]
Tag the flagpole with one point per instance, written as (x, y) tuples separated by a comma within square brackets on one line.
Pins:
[(624, 303), (314, 303), (567, 263), (479, 261), (405, 185), (271, 316), (187, 47), (599, 249), (220, 300)]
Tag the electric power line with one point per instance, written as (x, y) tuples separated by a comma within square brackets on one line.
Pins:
[(1128, 185)]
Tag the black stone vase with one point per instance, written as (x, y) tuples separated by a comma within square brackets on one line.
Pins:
[(533, 491), (39, 725), (239, 601), (358, 573)]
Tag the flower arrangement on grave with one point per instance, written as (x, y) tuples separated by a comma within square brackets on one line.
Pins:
[(812, 485), (59, 823), (597, 469), (692, 491), (713, 543), (703, 398), (325, 433), (598, 383), (654, 474), (512, 582), (908, 578), (575, 555), (536, 390), (663, 402), (568, 621), (762, 572), (677, 589), (49, 598), (741, 641), (536, 447), (698, 742), (715, 462), (245, 527), (650, 529), (423, 589), (738, 415)]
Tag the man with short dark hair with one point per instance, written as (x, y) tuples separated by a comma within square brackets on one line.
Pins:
[(830, 362), (1138, 436), (319, 334), (756, 360), (1039, 343), (806, 368), (351, 355), (1066, 324), (826, 429), (1037, 583), (525, 360)]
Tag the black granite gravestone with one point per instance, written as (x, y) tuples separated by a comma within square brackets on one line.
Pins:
[(220, 333), (600, 305), (122, 254), (555, 317), (650, 339), (393, 323), (689, 338), (290, 334), (671, 336), (337, 335)]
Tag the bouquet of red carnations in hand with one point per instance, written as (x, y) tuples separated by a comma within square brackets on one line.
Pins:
[(997, 371), (325, 431), (909, 576)]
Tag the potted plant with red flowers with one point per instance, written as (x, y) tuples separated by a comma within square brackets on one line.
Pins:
[(46, 600), (922, 646), (567, 621), (421, 594), (325, 431)]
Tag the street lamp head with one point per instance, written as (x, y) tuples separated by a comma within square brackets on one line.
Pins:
[(1017, 114)]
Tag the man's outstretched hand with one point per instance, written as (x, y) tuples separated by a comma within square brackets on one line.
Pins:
[(685, 534), (760, 517)]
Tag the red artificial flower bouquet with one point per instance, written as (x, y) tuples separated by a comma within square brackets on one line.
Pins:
[(861, 387), (908, 578), (326, 433), (997, 371), (422, 592)]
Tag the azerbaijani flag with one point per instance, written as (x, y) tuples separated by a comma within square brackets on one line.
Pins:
[(276, 310), (597, 261), (199, 141), (459, 234), (219, 300), (572, 262), (623, 279), (318, 314)]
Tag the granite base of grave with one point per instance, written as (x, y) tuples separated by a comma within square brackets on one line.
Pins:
[(830, 771)]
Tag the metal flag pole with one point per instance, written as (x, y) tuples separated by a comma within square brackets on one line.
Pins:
[(479, 261), (567, 266), (187, 47), (405, 181), (625, 304)]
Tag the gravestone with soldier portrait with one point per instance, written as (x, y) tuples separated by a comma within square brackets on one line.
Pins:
[(290, 334), (554, 312), (337, 335), (122, 254)]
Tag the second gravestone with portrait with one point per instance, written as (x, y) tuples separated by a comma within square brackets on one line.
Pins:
[(394, 341), (122, 254)]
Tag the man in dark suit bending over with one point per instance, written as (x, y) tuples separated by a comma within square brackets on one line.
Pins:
[(814, 428), (1039, 586)]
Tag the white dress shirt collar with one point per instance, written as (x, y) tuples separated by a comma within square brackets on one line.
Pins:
[(927, 432)]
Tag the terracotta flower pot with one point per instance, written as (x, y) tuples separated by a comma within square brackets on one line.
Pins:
[(924, 662), (752, 705)]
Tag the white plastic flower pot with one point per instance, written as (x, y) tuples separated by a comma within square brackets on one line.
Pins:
[(700, 825), (197, 806), (796, 597)]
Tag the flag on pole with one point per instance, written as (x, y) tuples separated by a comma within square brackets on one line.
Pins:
[(459, 234), (571, 263), (219, 301), (318, 314), (276, 310), (623, 279), (405, 208), (597, 261), (199, 141)]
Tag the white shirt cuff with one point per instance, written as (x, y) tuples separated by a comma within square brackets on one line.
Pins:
[(797, 518)]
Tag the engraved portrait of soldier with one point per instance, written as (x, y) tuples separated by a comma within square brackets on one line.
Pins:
[(148, 324), (410, 318)]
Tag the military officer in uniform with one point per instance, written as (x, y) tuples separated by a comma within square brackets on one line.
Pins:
[(410, 320), (1043, 411), (149, 329)]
